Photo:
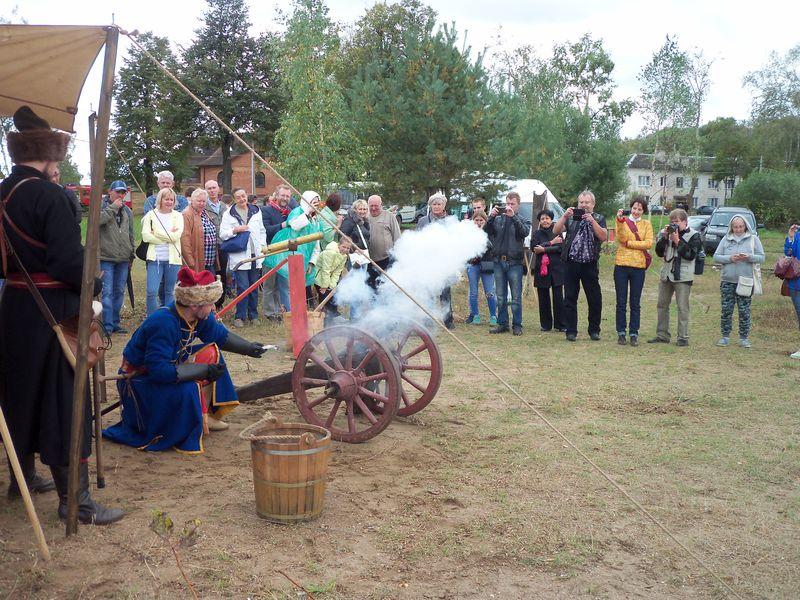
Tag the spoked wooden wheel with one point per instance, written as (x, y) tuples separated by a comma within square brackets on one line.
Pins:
[(348, 382), (420, 364)]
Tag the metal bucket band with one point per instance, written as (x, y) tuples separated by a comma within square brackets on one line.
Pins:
[(275, 517), (290, 452), (276, 484)]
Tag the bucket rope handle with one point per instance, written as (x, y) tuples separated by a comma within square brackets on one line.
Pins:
[(306, 438)]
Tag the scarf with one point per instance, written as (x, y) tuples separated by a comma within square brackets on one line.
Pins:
[(284, 211)]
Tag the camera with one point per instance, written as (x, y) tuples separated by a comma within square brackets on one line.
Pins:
[(626, 212), (501, 208), (577, 213), (672, 228)]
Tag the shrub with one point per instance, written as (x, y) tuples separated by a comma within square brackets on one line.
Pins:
[(773, 196)]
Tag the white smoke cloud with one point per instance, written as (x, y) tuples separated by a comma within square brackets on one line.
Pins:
[(425, 263)]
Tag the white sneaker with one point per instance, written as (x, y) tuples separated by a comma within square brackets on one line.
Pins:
[(795, 354), (723, 341), (745, 343)]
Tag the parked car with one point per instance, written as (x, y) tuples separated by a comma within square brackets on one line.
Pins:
[(404, 214), (697, 222), (718, 223), (705, 210), (656, 209), (420, 211)]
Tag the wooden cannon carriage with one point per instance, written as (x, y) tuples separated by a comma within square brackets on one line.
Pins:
[(353, 382)]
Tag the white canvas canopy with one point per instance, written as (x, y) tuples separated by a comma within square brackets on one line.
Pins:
[(45, 67)]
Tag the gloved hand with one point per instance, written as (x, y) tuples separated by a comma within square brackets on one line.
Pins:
[(199, 371), (215, 371), (239, 345)]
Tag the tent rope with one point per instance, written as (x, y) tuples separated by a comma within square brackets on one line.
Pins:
[(132, 36)]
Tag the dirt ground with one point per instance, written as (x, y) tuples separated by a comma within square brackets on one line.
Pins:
[(474, 497)]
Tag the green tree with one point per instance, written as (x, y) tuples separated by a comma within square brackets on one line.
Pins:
[(237, 76), (427, 111), (317, 144), (771, 195), (148, 133), (730, 143), (69, 170)]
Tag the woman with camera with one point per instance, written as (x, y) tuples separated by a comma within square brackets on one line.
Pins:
[(737, 252), (548, 273), (634, 240), (481, 268)]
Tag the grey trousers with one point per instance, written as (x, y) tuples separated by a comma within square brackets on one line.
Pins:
[(270, 298), (665, 291)]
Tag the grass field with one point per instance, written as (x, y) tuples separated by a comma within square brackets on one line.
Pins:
[(474, 497)]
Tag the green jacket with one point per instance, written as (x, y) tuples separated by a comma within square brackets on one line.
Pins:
[(116, 239), (330, 265)]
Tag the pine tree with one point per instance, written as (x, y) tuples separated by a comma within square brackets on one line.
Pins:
[(317, 144), (237, 77)]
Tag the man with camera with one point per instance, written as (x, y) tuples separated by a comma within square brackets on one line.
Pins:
[(679, 246), (507, 230), (585, 234)]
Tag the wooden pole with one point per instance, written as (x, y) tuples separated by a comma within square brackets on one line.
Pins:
[(97, 396), (90, 268), (23, 487)]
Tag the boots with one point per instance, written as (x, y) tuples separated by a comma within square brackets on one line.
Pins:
[(89, 511), (36, 483)]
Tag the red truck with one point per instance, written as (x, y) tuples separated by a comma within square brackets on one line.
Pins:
[(84, 191)]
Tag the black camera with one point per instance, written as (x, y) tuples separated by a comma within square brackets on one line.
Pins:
[(626, 212), (577, 213), (672, 228)]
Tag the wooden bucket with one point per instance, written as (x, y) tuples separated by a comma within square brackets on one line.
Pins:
[(316, 323), (290, 462)]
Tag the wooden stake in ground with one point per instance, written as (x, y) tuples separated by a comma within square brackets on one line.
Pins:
[(23, 487)]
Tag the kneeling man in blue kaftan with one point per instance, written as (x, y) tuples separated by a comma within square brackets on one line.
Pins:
[(178, 387)]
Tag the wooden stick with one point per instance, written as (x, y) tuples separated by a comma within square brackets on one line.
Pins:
[(98, 425), (328, 298), (528, 276), (23, 487), (90, 269)]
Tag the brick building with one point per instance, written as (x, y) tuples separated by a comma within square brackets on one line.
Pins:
[(258, 181)]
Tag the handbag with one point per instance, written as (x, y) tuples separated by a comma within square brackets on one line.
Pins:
[(785, 288), (787, 267), (141, 251), (237, 243), (758, 287), (648, 258), (745, 286), (359, 260)]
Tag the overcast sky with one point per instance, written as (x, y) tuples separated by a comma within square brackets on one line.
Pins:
[(737, 35)]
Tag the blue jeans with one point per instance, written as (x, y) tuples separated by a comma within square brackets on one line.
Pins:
[(626, 278), (160, 274), (508, 274), (474, 274), (248, 306), (283, 291), (795, 296), (115, 276)]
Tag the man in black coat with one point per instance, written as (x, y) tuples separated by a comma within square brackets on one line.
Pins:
[(507, 230), (36, 380)]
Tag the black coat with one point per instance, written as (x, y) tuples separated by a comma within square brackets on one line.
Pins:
[(350, 230), (35, 378), (555, 270), (507, 235)]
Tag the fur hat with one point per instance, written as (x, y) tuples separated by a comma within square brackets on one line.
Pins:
[(34, 140), (197, 288)]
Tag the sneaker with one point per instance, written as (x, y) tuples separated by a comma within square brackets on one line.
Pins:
[(634, 340), (499, 329), (476, 320), (238, 323), (595, 337), (795, 355), (571, 337), (517, 330), (682, 343), (745, 343), (216, 425), (492, 320), (658, 340), (255, 321), (723, 341), (621, 339), (471, 319)]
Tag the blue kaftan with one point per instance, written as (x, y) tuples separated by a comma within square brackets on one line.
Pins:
[(158, 412)]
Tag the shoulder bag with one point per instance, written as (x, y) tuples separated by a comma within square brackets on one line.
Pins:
[(360, 260), (237, 243)]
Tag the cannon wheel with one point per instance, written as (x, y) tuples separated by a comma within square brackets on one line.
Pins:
[(420, 367), (359, 393)]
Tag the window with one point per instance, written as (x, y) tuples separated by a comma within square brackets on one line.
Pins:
[(221, 179), (729, 184), (713, 201), (644, 180), (713, 185), (662, 182), (679, 183), (261, 180), (695, 202)]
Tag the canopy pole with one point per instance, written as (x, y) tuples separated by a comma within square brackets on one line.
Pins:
[(90, 266)]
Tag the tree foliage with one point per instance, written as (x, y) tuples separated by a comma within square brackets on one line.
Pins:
[(427, 110), (148, 133), (69, 170), (317, 144), (237, 76), (772, 196)]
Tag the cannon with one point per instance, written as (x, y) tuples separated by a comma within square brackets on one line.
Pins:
[(353, 382)]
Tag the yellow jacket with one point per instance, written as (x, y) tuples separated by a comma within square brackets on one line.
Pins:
[(330, 265), (629, 249), (153, 232)]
